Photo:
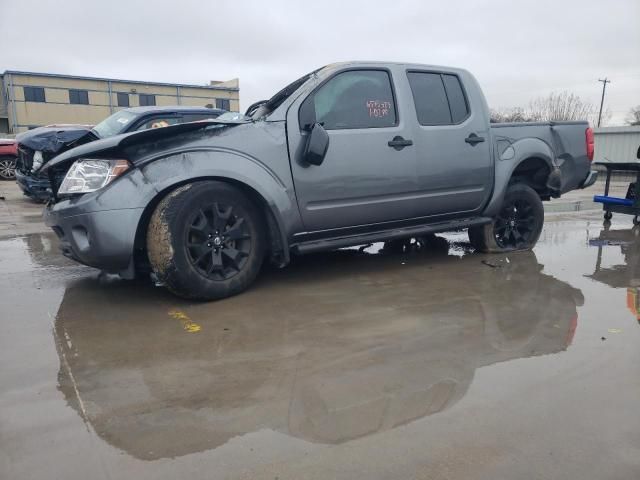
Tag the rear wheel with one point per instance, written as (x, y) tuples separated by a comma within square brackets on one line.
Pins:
[(7, 168), (206, 240), (517, 226)]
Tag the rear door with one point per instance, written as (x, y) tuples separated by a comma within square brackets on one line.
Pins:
[(452, 144), (363, 179)]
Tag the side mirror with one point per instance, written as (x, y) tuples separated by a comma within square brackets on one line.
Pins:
[(316, 146)]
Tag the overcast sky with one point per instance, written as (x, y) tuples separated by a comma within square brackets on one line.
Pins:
[(518, 50)]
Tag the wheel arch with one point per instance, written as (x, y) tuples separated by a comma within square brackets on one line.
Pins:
[(528, 161), (278, 243)]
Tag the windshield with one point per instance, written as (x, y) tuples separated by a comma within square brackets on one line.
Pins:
[(232, 117), (114, 124), (265, 108)]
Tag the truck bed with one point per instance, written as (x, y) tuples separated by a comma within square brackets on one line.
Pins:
[(565, 139)]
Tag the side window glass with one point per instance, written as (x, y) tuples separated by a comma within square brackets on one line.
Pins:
[(429, 98), (457, 100), (158, 122), (200, 116), (355, 99)]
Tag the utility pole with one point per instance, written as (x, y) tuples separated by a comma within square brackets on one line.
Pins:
[(604, 87)]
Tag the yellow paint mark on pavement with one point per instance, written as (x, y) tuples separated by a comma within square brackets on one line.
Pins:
[(187, 324), (614, 330)]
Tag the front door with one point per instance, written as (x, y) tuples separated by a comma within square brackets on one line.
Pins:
[(363, 179)]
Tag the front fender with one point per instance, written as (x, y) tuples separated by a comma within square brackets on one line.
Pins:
[(509, 155), (222, 163)]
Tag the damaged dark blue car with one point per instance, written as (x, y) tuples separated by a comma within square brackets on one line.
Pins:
[(40, 145)]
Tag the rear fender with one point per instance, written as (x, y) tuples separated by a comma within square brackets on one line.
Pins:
[(508, 160)]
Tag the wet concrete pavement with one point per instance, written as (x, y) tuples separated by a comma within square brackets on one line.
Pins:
[(435, 362)]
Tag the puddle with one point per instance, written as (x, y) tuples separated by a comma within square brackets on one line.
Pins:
[(338, 346)]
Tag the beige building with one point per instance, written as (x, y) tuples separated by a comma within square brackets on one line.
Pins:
[(30, 100)]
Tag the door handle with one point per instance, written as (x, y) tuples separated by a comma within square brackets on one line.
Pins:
[(399, 143), (472, 139)]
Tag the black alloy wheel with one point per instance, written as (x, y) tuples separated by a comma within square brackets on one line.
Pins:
[(206, 240), (218, 241), (515, 226)]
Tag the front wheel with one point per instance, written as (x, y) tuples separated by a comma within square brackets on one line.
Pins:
[(517, 226), (206, 240)]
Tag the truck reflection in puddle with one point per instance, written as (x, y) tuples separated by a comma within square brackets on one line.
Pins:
[(623, 275), (338, 346)]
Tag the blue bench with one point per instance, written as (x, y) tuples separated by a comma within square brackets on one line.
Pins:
[(613, 200)]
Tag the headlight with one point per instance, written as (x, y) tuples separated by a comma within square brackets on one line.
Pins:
[(37, 160), (89, 175)]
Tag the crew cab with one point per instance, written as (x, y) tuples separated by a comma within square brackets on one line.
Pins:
[(40, 145), (349, 154)]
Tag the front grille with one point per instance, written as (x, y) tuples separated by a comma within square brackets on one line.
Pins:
[(25, 159)]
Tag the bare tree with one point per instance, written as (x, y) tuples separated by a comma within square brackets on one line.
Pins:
[(560, 106), (633, 117), (517, 114), (554, 107)]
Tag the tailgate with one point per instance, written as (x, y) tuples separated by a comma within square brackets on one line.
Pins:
[(570, 146)]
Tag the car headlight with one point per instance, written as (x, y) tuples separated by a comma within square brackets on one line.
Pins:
[(89, 175)]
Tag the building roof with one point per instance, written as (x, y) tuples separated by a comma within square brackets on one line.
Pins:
[(138, 82)]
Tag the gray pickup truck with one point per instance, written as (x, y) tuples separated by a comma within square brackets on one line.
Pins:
[(349, 154)]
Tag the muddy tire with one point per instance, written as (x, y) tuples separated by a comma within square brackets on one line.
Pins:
[(206, 240), (517, 226)]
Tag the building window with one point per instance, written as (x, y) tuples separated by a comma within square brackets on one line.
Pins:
[(147, 100), (34, 94), (123, 99), (79, 97), (223, 103)]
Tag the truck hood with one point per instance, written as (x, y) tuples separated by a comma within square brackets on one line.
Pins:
[(119, 142), (52, 139)]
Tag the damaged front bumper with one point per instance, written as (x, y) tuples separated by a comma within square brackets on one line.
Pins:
[(37, 188), (100, 239), (99, 229)]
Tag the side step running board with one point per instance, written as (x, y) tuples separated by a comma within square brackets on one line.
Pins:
[(386, 235)]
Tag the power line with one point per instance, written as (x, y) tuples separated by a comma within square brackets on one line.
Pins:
[(604, 87)]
